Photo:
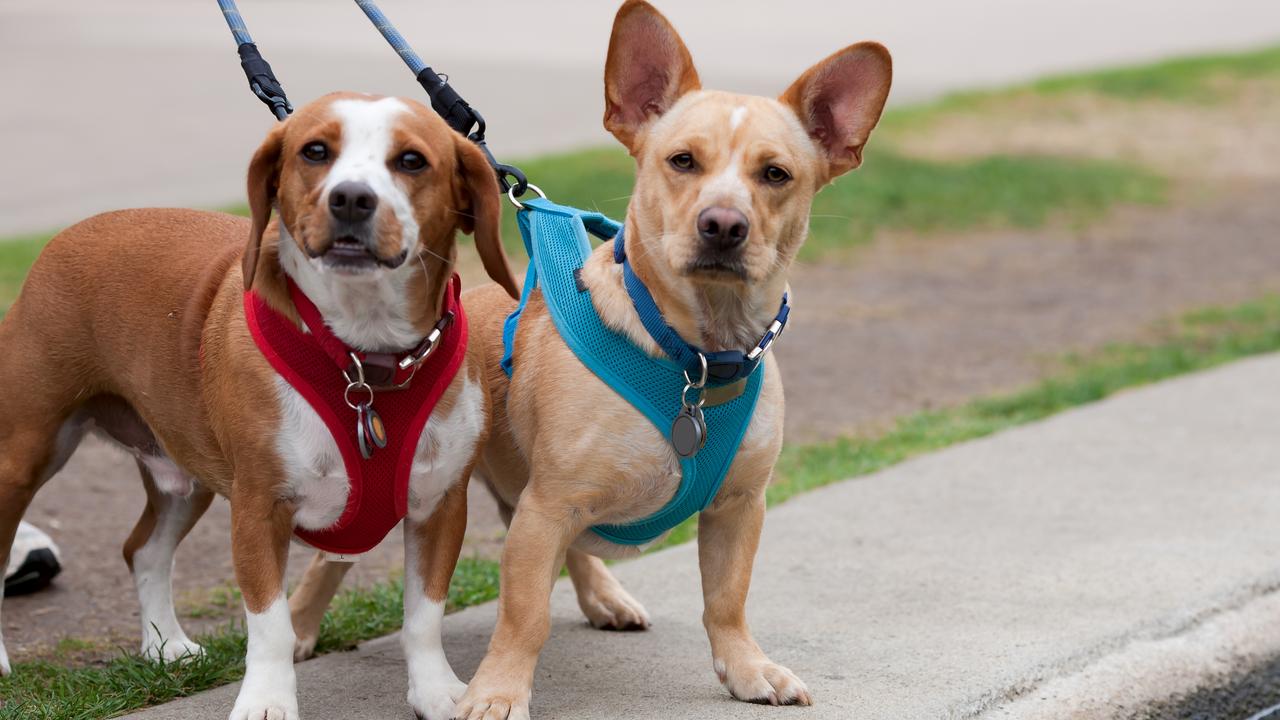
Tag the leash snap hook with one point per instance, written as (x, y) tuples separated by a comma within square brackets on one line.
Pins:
[(511, 195)]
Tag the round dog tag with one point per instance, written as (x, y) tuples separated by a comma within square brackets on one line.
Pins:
[(688, 432), (371, 433)]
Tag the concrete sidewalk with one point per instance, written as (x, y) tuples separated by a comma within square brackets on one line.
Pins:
[(1077, 567), (142, 103)]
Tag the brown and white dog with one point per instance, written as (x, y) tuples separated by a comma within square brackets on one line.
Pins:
[(752, 164), (131, 325)]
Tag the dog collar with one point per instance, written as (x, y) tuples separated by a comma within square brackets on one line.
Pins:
[(721, 367), (381, 371)]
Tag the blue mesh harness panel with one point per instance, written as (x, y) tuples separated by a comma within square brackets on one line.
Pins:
[(556, 238)]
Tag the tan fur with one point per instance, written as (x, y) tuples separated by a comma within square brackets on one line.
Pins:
[(132, 322), (561, 474)]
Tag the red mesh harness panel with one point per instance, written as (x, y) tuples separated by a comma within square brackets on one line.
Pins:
[(313, 365)]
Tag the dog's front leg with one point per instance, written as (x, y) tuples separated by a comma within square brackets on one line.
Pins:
[(260, 528), (540, 532), (728, 534), (431, 551)]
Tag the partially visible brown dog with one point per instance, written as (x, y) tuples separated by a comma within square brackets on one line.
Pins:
[(566, 451), (132, 325)]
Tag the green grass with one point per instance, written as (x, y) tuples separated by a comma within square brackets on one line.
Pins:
[(49, 690), (16, 256), (1197, 79), (890, 191), (1181, 79)]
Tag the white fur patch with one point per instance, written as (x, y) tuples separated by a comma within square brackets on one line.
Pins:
[(5, 668), (314, 471), (433, 686), (735, 119), (368, 311), (162, 635), (727, 187), (366, 146), (270, 686), (445, 449)]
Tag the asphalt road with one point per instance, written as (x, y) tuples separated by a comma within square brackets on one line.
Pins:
[(141, 102)]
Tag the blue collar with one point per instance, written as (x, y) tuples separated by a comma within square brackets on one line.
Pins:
[(722, 367)]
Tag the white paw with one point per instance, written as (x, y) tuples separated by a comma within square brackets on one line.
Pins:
[(168, 651), (304, 649), (261, 704), (763, 681), (5, 669), (436, 700)]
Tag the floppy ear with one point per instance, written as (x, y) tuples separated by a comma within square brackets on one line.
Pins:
[(839, 101), (481, 213), (264, 181), (648, 68)]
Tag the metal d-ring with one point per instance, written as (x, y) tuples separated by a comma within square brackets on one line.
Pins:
[(511, 195), (689, 384)]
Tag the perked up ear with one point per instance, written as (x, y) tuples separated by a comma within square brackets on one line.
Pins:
[(839, 101), (648, 68), (482, 214), (264, 181)]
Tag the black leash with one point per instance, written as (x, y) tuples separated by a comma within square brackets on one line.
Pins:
[(444, 99), (262, 81)]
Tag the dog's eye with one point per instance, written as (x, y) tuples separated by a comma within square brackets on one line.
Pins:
[(681, 161), (411, 162), (316, 152), (776, 175)]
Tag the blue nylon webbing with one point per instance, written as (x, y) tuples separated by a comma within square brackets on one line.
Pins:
[(556, 237)]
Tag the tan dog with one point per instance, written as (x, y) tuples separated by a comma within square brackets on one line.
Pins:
[(567, 452), (132, 324)]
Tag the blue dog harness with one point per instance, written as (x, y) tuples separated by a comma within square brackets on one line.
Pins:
[(660, 388)]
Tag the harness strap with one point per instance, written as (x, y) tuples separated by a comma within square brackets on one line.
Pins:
[(385, 371), (725, 366), (557, 239)]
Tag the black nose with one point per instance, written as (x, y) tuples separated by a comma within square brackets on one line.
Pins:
[(352, 201), (723, 228)]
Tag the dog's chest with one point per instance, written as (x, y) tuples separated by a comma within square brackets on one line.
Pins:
[(316, 478)]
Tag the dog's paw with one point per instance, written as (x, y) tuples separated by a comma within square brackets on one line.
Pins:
[(481, 703), (763, 681), (435, 700), (264, 705), (613, 608), (304, 648), (167, 651), (5, 669)]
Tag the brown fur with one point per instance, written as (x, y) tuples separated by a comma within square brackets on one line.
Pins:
[(133, 322), (562, 475)]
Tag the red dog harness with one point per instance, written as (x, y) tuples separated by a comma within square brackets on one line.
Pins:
[(401, 389)]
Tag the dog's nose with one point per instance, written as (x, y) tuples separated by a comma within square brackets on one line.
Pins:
[(723, 228), (352, 201)]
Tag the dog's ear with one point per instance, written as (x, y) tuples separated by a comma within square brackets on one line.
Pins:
[(647, 70), (839, 101), (264, 182), (481, 212)]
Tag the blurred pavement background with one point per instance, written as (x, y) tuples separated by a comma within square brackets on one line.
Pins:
[(142, 102)]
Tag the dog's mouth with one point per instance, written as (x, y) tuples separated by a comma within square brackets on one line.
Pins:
[(717, 269), (349, 253)]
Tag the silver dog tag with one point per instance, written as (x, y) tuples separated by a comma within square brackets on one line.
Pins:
[(689, 431)]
